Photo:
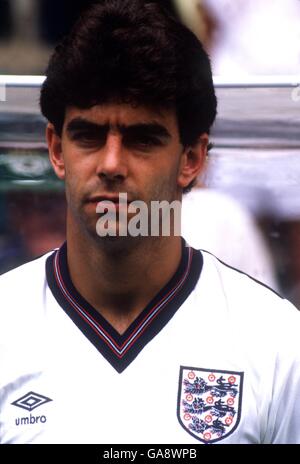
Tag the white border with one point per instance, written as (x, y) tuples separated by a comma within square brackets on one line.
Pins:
[(219, 81)]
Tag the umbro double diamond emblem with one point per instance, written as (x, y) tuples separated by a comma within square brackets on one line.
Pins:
[(29, 402)]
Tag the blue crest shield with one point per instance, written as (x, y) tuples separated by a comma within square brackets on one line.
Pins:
[(209, 402)]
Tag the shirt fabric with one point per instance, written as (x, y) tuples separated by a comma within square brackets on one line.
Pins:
[(213, 358)]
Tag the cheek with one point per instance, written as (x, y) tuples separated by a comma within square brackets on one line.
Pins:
[(162, 185), (78, 168), (75, 180)]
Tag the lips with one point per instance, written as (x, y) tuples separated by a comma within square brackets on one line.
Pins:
[(98, 199), (109, 203), (104, 198)]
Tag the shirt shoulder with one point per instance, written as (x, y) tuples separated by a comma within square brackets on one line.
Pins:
[(247, 299), (21, 287)]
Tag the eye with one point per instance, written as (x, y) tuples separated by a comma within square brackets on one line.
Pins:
[(142, 142), (146, 141), (88, 138)]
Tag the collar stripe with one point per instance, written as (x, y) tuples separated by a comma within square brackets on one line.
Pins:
[(155, 311), (119, 350), (78, 309)]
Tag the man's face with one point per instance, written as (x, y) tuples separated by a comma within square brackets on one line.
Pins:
[(117, 148)]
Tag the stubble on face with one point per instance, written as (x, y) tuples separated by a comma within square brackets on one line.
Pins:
[(159, 185), (84, 218), (161, 189)]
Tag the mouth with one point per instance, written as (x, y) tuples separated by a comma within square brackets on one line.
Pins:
[(109, 203), (117, 199)]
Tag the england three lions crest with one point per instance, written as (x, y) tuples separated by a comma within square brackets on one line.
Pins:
[(209, 402)]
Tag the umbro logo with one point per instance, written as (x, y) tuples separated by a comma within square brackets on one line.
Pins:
[(31, 401)]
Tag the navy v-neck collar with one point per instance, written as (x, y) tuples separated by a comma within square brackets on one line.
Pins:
[(121, 350)]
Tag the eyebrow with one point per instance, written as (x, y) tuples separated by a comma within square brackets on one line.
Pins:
[(153, 129)]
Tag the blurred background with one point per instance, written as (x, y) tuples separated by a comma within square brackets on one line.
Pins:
[(246, 206)]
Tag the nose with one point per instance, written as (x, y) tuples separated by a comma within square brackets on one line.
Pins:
[(112, 162)]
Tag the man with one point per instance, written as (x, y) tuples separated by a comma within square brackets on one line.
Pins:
[(125, 338)]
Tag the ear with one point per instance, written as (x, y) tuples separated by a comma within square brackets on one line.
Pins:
[(55, 151), (192, 161)]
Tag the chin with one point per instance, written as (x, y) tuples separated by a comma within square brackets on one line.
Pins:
[(117, 245)]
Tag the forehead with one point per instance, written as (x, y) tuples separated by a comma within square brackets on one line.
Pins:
[(114, 114)]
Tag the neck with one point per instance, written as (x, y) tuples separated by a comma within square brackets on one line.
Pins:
[(120, 279)]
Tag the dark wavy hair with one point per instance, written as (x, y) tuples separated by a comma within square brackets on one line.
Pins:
[(131, 51)]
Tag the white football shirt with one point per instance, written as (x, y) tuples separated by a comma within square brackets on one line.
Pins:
[(213, 358)]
